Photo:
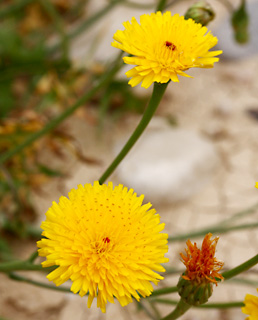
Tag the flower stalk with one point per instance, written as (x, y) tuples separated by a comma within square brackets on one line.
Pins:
[(215, 305), (241, 268), (180, 309), (156, 97)]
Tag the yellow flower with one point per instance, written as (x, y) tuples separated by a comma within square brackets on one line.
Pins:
[(251, 307), (164, 46), (106, 242), (201, 264), (256, 185)]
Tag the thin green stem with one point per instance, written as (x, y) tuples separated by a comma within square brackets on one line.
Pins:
[(180, 309), (161, 5), (162, 291), (21, 265), (245, 282), (240, 214), (53, 14), (68, 112), (154, 309), (33, 257), (241, 268), (222, 305), (172, 2), (215, 305), (213, 229), (17, 277), (136, 5), (142, 306), (89, 22), (156, 97)]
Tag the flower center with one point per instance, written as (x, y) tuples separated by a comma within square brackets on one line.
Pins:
[(106, 240), (102, 246), (170, 45)]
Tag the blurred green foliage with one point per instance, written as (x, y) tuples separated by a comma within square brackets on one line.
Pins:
[(39, 80), (240, 23)]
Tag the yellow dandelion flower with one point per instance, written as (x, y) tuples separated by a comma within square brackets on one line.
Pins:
[(164, 46), (201, 264), (106, 242), (251, 307)]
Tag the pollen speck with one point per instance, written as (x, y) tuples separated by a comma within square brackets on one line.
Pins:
[(170, 45)]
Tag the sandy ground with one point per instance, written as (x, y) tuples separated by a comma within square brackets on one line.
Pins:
[(216, 105)]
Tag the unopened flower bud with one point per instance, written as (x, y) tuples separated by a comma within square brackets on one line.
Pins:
[(240, 23), (201, 12), (194, 293)]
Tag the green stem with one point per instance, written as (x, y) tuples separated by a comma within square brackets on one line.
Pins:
[(245, 282), (53, 14), (68, 112), (88, 23), (159, 292), (33, 257), (241, 268), (180, 309), (157, 94), (213, 229), (161, 5), (154, 309), (17, 277), (21, 265), (215, 305), (142, 306), (240, 214), (222, 305), (136, 5)]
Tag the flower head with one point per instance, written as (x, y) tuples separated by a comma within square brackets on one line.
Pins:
[(164, 46), (106, 242), (256, 185), (201, 265), (251, 307)]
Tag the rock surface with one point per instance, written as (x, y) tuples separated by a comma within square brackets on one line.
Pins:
[(168, 164)]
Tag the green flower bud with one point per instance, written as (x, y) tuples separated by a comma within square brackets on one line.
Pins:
[(201, 12), (193, 292), (240, 23)]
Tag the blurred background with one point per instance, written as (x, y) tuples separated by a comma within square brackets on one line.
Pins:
[(196, 163)]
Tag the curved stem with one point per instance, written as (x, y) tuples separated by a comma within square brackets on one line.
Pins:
[(180, 309), (68, 112), (241, 268), (213, 229), (17, 277), (163, 291), (157, 94)]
